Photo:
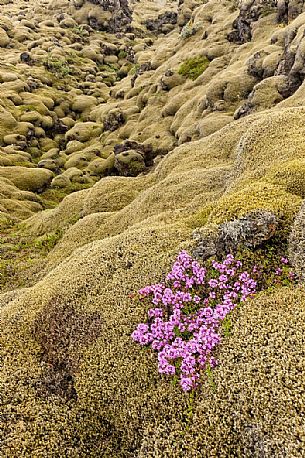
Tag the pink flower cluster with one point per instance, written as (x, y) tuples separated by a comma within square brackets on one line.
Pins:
[(183, 326)]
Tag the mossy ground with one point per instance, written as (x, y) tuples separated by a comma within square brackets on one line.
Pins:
[(23, 257), (72, 382), (53, 196)]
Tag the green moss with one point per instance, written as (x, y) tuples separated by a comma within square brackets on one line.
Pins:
[(227, 326), (26, 108), (192, 68), (24, 164), (122, 54), (80, 31), (113, 68), (134, 69), (53, 196), (47, 241), (210, 376), (59, 67), (22, 256), (267, 258), (200, 218)]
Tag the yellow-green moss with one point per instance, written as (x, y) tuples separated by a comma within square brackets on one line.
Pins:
[(201, 217), (51, 197), (28, 179), (259, 195), (22, 256), (192, 68), (290, 176), (60, 67)]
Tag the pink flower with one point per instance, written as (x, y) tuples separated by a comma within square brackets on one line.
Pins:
[(184, 328)]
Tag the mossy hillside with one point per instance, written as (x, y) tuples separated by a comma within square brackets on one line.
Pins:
[(53, 196), (91, 57), (16, 205), (183, 180), (71, 379), (251, 367), (105, 372), (257, 152), (161, 246), (167, 201)]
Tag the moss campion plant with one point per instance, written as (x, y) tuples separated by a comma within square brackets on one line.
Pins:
[(190, 305), (191, 309)]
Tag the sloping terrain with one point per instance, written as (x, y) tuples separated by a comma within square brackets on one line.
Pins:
[(124, 127)]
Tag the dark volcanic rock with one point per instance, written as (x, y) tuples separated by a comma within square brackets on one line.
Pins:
[(255, 65), (146, 151), (157, 25), (121, 16), (249, 12), (114, 121), (288, 10), (146, 67), (129, 163), (292, 64)]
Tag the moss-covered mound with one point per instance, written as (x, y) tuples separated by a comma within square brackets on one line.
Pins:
[(72, 379)]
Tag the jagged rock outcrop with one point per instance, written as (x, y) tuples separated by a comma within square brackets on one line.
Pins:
[(288, 10), (164, 23), (115, 15), (249, 231), (293, 61), (281, 72), (250, 11)]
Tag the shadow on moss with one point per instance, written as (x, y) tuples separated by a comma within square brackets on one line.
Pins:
[(62, 332)]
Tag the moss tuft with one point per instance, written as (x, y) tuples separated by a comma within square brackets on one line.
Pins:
[(192, 68)]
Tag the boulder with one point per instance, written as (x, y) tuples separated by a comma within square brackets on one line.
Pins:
[(146, 151), (129, 163), (287, 10), (162, 22), (249, 231), (83, 131), (8, 123), (112, 16), (4, 38), (114, 120), (249, 12), (27, 179)]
